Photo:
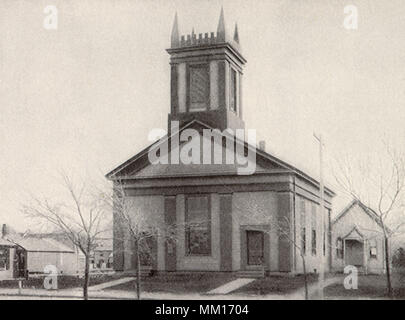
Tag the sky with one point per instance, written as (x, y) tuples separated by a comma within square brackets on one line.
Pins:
[(83, 98)]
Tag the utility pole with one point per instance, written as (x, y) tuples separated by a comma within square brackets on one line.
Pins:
[(321, 279)]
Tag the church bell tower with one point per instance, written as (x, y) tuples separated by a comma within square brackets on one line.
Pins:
[(206, 77)]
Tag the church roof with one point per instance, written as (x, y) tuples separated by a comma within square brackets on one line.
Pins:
[(266, 163)]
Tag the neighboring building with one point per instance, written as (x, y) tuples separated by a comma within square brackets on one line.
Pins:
[(41, 252), (62, 239), (215, 210), (357, 239), (102, 256), (35, 251), (12, 260)]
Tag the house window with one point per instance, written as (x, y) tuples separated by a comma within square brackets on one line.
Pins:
[(373, 249), (233, 92), (325, 230), (326, 235), (303, 240), (199, 87), (198, 225), (313, 223), (313, 243), (339, 248), (324, 244), (4, 258), (303, 229)]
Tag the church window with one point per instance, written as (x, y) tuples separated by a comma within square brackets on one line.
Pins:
[(199, 87), (233, 91), (313, 222), (303, 228), (198, 225)]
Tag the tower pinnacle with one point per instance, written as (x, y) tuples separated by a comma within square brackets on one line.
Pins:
[(175, 38), (236, 34), (221, 32)]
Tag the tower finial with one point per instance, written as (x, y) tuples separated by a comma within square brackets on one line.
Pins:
[(236, 34), (221, 27), (175, 41)]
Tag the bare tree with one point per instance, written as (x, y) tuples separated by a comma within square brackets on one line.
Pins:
[(139, 225), (78, 216), (378, 183), (284, 230)]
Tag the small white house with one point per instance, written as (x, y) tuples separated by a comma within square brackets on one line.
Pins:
[(42, 252), (357, 240)]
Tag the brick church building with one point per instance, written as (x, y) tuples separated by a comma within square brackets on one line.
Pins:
[(224, 221)]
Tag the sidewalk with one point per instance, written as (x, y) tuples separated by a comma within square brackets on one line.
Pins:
[(77, 293), (129, 295), (231, 286), (109, 284)]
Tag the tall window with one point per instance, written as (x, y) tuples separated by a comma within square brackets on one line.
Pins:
[(233, 92), (328, 239), (324, 243), (373, 248), (4, 258), (303, 227), (339, 248), (325, 231), (313, 224), (199, 87), (198, 225)]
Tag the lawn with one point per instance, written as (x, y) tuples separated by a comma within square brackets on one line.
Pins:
[(204, 282), (64, 282), (369, 286), (179, 283), (275, 285)]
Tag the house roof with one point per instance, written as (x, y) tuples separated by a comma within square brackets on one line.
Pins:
[(266, 157), (104, 244), (6, 243), (371, 213), (354, 234), (41, 245)]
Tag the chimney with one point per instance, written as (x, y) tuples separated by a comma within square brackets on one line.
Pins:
[(262, 145), (4, 230)]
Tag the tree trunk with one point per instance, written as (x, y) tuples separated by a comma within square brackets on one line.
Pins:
[(86, 277), (304, 268), (138, 271), (388, 268)]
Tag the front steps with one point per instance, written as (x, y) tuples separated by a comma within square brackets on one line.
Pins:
[(251, 273), (145, 272)]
